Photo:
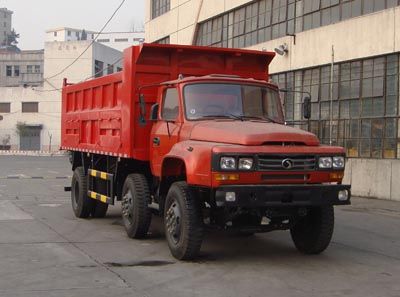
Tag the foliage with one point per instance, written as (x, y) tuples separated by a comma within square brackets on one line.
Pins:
[(21, 128), (6, 140)]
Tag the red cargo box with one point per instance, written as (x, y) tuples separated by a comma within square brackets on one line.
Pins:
[(102, 115)]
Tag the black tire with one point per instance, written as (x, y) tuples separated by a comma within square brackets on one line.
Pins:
[(82, 204), (99, 209), (183, 222), (136, 198), (313, 233)]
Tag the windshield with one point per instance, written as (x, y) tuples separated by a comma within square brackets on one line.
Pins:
[(238, 101)]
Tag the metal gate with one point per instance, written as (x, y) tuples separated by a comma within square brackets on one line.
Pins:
[(30, 138)]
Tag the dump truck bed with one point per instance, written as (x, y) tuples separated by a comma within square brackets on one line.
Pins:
[(102, 115)]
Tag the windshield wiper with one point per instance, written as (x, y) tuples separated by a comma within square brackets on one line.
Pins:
[(228, 116), (243, 117), (240, 117)]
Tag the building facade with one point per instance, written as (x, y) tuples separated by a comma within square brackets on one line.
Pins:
[(360, 36), (5, 24), (32, 112), (23, 68), (116, 40)]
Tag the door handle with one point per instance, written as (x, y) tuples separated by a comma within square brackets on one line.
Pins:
[(156, 141)]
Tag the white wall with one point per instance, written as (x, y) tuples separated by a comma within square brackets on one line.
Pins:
[(375, 178), (133, 38), (57, 56), (369, 35), (48, 115), (106, 38)]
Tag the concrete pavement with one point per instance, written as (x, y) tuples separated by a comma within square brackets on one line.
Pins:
[(46, 251)]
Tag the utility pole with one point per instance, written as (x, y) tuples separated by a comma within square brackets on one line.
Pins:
[(331, 97), (50, 137)]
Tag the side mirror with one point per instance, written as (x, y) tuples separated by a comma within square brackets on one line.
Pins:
[(142, 105), (307, 107), (154, 112)]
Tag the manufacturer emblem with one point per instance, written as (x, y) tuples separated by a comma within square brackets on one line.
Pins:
[(287, 164)]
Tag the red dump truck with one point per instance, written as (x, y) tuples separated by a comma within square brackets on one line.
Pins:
[(197, 135)]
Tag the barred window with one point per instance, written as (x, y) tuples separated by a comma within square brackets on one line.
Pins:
[(159, 7), (364, 104), (263, 20), (164, 40)]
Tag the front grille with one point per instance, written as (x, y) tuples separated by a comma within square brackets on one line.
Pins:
[(292, 163)]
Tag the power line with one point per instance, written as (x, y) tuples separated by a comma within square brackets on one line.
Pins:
[(94, 39), (100, 71)]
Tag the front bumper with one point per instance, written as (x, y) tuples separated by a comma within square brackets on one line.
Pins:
[(255, 196)]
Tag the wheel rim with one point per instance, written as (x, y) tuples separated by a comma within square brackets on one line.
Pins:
[(127, 207), (173, 222)]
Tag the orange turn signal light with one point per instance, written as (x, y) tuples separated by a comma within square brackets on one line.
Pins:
[(226, 176), (336, 175)]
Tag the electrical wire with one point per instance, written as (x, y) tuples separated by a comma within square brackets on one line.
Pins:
[(94, 75), (93, 41)]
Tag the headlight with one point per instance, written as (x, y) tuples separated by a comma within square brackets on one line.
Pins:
[(245, 163), (338, 162), (325, 162), (227, 163)]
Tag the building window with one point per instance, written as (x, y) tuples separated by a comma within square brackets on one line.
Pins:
[(164, 40), (159, 7), (33, 69), (121, 39), (103, 40), (110, 69), (16, 70), (5, 107), (98, 68), (263, 20), (9, 70), (69, 33), (55, 34), (12, 70), (30, 107), (365, 104), (170, 108), (77, 34)]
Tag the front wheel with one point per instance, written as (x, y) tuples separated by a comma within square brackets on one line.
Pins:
[(313, 233), (183, 222)]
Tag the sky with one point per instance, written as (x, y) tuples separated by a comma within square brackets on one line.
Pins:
[(32, 18)]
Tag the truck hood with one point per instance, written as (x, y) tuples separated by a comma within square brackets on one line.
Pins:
[(251, 133)]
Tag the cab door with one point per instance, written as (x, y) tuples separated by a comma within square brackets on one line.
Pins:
[(165, 132)]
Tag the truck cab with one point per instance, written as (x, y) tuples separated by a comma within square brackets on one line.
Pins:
[(226, 139), (204, 150)]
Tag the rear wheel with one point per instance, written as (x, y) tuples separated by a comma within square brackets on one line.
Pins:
[(82, 204), (183, 222), (136, 214), (313, 233)]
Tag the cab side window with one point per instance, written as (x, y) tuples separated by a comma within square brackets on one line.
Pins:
[(170, 107)]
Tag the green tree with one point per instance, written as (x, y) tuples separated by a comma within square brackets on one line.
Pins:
[(12, 38)]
